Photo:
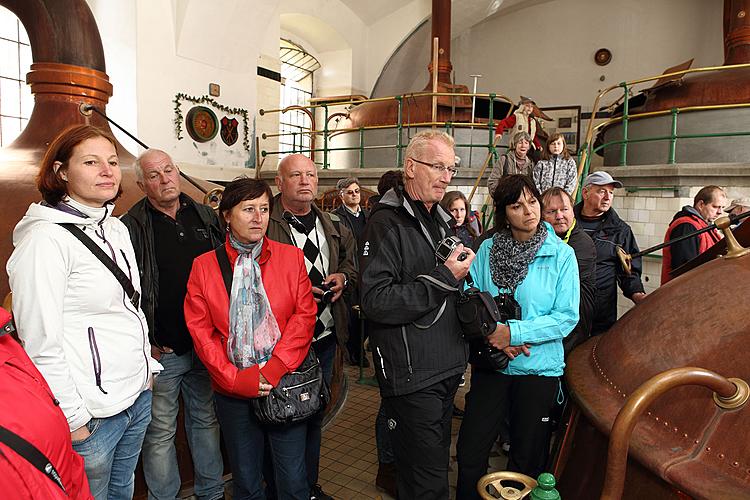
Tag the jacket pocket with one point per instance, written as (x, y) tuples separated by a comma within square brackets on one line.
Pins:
[(96, 359)]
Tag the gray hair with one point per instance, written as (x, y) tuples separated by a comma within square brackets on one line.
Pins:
[(419, 142), (138, 165), (346, 182), (518, 137)]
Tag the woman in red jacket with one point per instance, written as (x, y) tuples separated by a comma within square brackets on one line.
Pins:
[(250, 340), (29, 411)]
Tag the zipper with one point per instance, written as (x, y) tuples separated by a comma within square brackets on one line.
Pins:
[(96, 359), (286, 389), (306, 371), (408, 354), (382, 363)]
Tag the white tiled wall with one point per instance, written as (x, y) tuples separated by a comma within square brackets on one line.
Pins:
[(649, 213)]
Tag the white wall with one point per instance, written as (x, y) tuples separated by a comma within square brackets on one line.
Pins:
[(554, 42), (117, 27)]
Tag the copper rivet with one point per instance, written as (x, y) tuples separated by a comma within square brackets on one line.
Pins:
[(674, 430), (721, 456), (656, 418), (735, 464), (685, 435), (666, 424), (708, 448), (648, 413), (741, 14)]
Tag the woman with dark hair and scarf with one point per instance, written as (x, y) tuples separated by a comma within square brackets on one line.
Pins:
[(252, 337), (527, 262)]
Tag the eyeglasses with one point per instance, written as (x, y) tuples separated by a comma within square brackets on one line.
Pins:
[(352, 193), (437, 166)]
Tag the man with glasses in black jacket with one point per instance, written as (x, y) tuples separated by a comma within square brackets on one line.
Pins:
[(409, 297)]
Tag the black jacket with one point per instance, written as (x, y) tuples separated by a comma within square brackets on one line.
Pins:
[(139, 223), (409, 299), (586, 257), (348, 219), (610, 233)]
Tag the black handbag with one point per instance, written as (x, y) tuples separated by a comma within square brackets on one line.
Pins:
[(479, 315), (299, 394)]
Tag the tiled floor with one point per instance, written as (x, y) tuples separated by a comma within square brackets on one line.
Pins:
[(349, 461)]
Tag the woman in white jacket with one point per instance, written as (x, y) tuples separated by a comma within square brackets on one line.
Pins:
[(77, 323)]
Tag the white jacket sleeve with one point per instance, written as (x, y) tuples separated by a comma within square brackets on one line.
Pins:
[(38, 272)]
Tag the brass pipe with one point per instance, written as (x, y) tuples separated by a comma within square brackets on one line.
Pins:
[(724, 223), (435, 50), (726, 390)]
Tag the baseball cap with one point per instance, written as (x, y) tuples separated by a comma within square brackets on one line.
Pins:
[(601, 178), (738, 202)]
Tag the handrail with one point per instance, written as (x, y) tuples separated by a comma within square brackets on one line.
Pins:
[(402, 100), (587, 146), (729, 393)]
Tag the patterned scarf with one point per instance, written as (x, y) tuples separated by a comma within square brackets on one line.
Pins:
[(510, 258), (253, 331)]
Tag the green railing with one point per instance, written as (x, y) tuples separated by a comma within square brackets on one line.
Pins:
[(327, 133), (587, 149)]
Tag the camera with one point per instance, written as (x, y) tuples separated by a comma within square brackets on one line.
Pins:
[(327, 295), (445, 248), (508, 306)]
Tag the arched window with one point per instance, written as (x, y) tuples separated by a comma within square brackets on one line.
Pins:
[(297, 67), (16, 101)]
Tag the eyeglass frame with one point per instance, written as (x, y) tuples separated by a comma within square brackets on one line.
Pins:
[(442, 168)]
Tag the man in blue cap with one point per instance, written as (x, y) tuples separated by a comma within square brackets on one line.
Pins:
[(601, 222)]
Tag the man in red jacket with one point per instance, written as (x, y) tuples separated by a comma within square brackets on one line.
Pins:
[(30, 415), (707, 207)]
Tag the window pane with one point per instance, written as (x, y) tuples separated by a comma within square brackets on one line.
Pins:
[(23, 37), (8, 59), (10, 98), (11, 127), (8, 24), (25, 61)]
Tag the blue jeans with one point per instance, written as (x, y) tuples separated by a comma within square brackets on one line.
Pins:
[(183, 374), (244, 438), (111, 452), (326, 352)]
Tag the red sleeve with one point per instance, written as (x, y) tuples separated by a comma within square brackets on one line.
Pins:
[(207, 337), (535, 140), (508, 122), (296, 338)]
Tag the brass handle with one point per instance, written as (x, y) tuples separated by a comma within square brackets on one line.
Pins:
[(728, 394), (496, 480), (213, 197)]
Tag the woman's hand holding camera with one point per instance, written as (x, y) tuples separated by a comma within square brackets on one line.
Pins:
[(459, 261)]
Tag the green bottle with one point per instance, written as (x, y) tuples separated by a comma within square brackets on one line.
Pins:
[(545, 489)]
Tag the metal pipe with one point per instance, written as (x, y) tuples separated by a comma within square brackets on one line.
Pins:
[(435, 49), (673, 137), (617, 455), (87, 108)]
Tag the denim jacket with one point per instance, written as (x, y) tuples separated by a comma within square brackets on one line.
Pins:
[(549, 297)]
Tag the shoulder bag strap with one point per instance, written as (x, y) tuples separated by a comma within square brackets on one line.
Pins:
[(226, 268), (127, 285), (31, 454)]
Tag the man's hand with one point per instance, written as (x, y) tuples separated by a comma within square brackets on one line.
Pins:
[(336, 281), (500, 338), (157, 351), (459, 268), (80, 434), (638, 297), (516, 350)]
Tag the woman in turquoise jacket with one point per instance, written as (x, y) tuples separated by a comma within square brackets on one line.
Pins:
[(524, 260)]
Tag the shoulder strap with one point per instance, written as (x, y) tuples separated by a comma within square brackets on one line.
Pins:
[(127, 285), (226, 268), (31, 454)]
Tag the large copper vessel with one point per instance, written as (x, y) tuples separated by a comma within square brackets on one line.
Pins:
[(685, 444)]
